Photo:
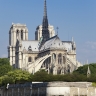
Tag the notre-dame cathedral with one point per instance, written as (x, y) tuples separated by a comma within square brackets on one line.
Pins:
[(47, 51)]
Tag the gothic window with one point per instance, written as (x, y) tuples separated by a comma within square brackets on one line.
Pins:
[(21, 34), (53, 58), (68, 68), (17, 34), (64, 59), (60, 58), (58, 71), (29, 59)]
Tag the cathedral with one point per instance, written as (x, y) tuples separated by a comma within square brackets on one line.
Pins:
[(46, 52)]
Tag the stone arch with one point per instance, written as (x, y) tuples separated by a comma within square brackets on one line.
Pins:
[(46, 63), (59, 58)]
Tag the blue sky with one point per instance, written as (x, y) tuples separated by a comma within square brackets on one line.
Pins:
[(75, 18)]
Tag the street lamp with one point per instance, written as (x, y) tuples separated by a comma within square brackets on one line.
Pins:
[(31, 90), (7, 88)]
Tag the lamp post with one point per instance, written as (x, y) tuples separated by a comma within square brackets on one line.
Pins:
[(18, 91), (7, 88), (31, 90)]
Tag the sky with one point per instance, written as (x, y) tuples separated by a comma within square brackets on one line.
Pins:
[(75, 18)]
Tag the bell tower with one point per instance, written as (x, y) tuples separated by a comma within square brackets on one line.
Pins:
[(16, 32)]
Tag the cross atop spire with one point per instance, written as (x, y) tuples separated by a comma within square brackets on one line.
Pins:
[(57, 30)]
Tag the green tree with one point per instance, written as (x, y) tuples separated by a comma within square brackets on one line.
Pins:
[(4, 69), (4, 61), (41, 75), (19, 76)]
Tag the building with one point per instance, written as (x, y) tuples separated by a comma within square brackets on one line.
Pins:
[(47, 51)]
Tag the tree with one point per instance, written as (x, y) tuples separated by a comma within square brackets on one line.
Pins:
[(4, 69), (19, 76), (41, 75), (4, 61), (4, 66)]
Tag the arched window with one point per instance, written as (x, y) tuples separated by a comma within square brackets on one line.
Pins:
[(58, 71), (21, 34), (68, 68), (60, 58), (64, 59), (53, 58), (29, 59), (17, 33)]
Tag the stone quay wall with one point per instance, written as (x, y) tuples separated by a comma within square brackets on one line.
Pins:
[(49, 89)]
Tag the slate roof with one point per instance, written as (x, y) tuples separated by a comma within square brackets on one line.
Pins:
[(33, 44), (56, 43)]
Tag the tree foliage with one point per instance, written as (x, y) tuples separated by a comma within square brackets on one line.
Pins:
[(4, 61), (4, 66), (9, 75)]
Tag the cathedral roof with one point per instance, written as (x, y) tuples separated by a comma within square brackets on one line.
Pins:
[(68, 45), (32, 44), (53, 42)]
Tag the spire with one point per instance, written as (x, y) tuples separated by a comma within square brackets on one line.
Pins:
[(45, 20), (45, 31), (88, 72), (45, 9)]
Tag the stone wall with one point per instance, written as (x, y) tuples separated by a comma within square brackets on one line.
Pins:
[(49, 89)]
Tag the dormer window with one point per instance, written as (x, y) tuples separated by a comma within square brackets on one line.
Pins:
[(29, 48)]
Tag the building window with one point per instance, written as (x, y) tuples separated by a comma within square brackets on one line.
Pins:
[(68, 68), (58, 71), (21, 34), (60, 58), (53, 58), (64, 59), (17, 34), (29, 59)]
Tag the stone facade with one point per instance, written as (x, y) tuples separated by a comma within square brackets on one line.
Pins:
[(50, 89), (47, 51), (17, 32)]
